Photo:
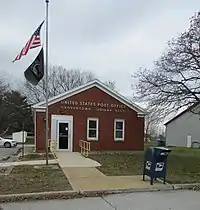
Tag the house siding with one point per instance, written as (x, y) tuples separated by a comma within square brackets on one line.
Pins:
[(134, 125), (178, 129)]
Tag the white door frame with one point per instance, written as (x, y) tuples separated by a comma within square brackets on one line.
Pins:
[(55, 130), (69, 135)]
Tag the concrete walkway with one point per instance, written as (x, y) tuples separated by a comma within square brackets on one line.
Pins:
[(83, 175), (31, 162), (75, 159), (92, 179), (64, 159)]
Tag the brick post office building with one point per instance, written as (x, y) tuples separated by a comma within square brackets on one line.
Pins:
[(91, 112)]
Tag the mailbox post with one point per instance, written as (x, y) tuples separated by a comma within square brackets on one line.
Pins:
[(155, 162)]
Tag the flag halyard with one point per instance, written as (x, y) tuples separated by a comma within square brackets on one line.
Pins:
[(32, 43)]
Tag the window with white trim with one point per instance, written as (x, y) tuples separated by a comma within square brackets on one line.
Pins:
[(92, 128), (119, 129)]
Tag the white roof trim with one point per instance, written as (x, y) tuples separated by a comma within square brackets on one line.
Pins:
[(94, 83), (42, 109)]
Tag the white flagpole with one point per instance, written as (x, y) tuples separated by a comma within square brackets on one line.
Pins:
[(46, 86)]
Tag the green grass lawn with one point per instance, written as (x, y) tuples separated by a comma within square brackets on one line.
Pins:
[(183, 164), (30, 140), (119, 163), (29, 179)]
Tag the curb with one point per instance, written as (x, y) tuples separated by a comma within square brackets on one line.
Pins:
[(91, 193), (71, 194), (20, 152), (6, 157), (186, 186), (39, 196)]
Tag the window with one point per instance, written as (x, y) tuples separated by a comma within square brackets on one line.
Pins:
[(119, 130), (92, 128)]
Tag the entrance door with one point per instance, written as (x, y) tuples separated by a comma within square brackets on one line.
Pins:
[(63, 135)]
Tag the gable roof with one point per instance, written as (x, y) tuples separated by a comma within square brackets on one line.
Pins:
[(181, 113), (94, 83)]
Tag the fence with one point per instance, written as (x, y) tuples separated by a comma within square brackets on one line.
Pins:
[(85, 147)]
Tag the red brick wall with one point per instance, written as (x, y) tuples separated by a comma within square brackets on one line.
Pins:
[(40, 131), (134, 126)]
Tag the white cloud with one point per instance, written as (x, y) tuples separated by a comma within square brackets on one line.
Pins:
[(112, 38)]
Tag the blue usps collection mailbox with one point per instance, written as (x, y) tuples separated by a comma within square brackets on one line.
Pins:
[(155, 163)]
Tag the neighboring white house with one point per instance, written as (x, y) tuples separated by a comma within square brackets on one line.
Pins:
[(184, 129)]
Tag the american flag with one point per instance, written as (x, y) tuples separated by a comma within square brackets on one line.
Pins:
[(33, 42)]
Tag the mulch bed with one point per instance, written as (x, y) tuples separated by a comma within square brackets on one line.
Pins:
[(27, 179), (35, 156)]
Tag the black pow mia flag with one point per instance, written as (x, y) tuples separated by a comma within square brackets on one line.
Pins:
[(35, 72)]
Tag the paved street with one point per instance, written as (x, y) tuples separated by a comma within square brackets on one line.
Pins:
[(173, 200), (7, 151)]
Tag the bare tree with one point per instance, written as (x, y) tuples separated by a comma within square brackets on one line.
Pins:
[(60, 80), (152, 122), (174, 82), (111, 84)]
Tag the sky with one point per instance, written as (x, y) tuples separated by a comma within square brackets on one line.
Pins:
[(111, 38)]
